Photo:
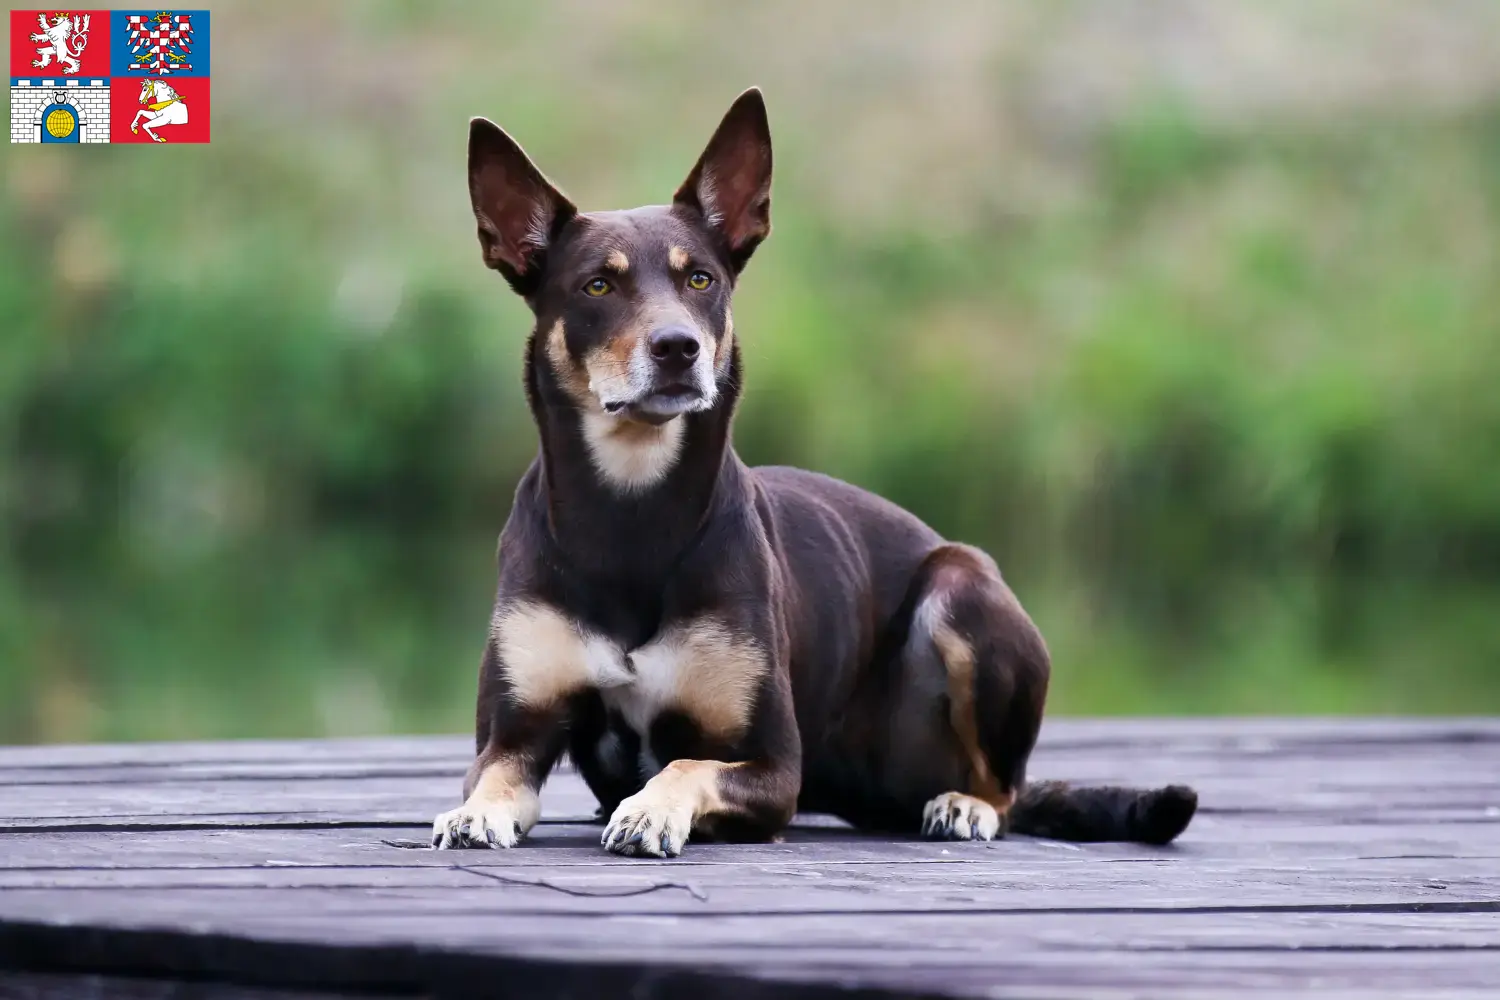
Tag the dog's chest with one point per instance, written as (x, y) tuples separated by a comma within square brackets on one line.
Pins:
[(704, 670), (655, 678)]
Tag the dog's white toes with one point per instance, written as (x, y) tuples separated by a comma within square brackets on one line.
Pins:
[(642, 828), (956, 816), (470, 825)]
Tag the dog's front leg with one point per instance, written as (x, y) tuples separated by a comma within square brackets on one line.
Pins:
[(747, 799), (695, 794), (502, 804), (518, 745)]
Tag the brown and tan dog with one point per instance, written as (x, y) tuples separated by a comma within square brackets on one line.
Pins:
[(718, 646)]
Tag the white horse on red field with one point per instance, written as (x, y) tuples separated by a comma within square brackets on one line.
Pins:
[(163, 107)]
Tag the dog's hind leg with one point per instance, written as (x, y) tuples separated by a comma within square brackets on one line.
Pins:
[(969, 633), (967, 625)]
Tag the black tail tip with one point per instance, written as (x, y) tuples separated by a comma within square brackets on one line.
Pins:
[(1165, 813)]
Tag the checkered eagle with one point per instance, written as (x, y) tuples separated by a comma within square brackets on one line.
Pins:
[(160, 43)]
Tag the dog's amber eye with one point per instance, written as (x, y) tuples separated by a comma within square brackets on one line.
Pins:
[(597, 287), (699, 280)]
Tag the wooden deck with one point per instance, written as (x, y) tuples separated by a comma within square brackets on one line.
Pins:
[(1350, 859)]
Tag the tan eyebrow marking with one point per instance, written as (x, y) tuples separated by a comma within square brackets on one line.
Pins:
[(617, 261), (677, 258)]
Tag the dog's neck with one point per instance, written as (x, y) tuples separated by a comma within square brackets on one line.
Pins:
[(628, 515)]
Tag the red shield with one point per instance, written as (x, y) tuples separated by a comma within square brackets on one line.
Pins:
[(125, 108), (91, 49)]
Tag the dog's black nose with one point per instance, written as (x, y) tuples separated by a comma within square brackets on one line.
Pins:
[(674, 348)]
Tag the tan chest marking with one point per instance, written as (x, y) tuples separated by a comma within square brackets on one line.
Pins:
[(704, 670), (547, 656)]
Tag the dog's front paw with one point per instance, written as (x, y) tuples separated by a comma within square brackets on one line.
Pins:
[(479, 824), (644, 825), (956, 816)]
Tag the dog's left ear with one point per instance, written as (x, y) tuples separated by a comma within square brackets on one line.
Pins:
[(731, 184), (519, 212)]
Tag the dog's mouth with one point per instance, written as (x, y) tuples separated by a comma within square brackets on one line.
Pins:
[(661, 404)]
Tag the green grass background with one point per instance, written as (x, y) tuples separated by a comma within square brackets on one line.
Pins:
[(1186, 312)]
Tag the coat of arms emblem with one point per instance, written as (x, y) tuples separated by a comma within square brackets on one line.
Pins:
[(160, 42), (163, 106), (116, 76), (63, 36)]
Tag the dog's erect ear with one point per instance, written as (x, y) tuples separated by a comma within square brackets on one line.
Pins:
[(731, 185), (519, 212)]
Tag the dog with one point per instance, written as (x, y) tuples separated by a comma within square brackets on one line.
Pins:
[(716, 646)]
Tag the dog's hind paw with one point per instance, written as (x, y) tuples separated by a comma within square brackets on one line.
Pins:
[(956, 816)]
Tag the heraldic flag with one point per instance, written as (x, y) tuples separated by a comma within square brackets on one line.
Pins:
[(123, 76)]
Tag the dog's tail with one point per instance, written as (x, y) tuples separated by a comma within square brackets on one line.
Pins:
[(1057, 811)]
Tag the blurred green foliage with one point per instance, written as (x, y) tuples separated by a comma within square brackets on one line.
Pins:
[(1226, 410)]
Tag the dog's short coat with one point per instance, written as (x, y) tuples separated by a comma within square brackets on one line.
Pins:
[(717, 646)]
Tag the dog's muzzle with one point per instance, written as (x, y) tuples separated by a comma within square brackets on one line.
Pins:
[(671, 373)]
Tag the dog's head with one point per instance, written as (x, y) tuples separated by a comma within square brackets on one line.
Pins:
[(632, 306)]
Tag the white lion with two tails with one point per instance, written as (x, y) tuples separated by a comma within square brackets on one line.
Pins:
[(163, 107), (68, 38)]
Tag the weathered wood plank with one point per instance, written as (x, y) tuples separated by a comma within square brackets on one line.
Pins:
[(1420, 768), (1447, 782), (978, 955), (610, 890), (404, 748), (466, 919), (43, 986), (1360, 858), (389, 799), (1232, 735), (1214, 840)]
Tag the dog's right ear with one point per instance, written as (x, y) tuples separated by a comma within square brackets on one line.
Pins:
[(730, 186), (519, 212)]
